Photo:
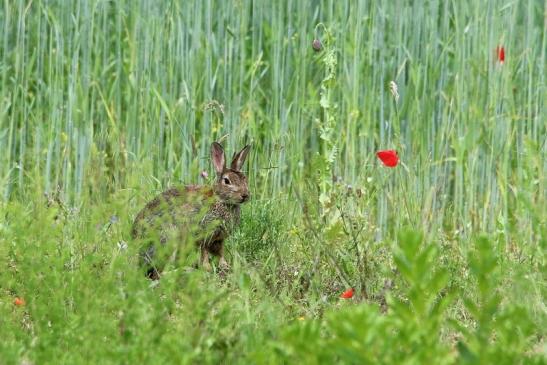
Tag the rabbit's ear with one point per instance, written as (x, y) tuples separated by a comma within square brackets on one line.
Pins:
[(239, 158), (217, 155)]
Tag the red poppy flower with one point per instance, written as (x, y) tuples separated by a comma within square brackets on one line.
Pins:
[(388, 157), (500, 53), (347, 294), (19, 302)]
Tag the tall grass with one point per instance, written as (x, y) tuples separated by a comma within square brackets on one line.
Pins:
[(95, 91)]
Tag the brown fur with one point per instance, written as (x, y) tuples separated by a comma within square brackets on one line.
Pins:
[(215, 211)]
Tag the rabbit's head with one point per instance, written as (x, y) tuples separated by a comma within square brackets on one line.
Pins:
[(230, 184)]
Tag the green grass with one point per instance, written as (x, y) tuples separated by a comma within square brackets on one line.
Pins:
[(103, 104)]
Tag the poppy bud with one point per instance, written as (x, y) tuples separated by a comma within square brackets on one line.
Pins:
[(316, 45), (500, 53)]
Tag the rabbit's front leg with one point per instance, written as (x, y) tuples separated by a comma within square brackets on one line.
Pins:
[(222, 263), (216, 248), (204, 259)]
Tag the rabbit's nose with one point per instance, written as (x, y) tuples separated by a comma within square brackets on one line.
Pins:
[(245, 197)]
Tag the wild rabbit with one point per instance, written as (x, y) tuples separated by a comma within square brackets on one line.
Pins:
[(204, 215)]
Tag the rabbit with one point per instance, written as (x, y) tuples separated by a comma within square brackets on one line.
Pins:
[(206, 215)]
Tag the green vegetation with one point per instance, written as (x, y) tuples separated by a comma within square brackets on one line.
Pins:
[(104, 104)]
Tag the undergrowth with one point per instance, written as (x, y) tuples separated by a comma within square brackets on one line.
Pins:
[(86, 300)]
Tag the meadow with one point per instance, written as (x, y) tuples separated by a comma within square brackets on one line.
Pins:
[(104, 104)]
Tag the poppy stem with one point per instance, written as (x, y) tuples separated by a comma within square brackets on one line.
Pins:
[(405, 202)]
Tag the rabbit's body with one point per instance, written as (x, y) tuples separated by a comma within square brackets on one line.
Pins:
[(206, 215), (179, 207)]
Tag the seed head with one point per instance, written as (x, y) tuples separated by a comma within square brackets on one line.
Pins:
[(393, 90)]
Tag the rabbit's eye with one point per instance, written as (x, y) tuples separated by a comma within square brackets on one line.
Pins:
[(227, 181)]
